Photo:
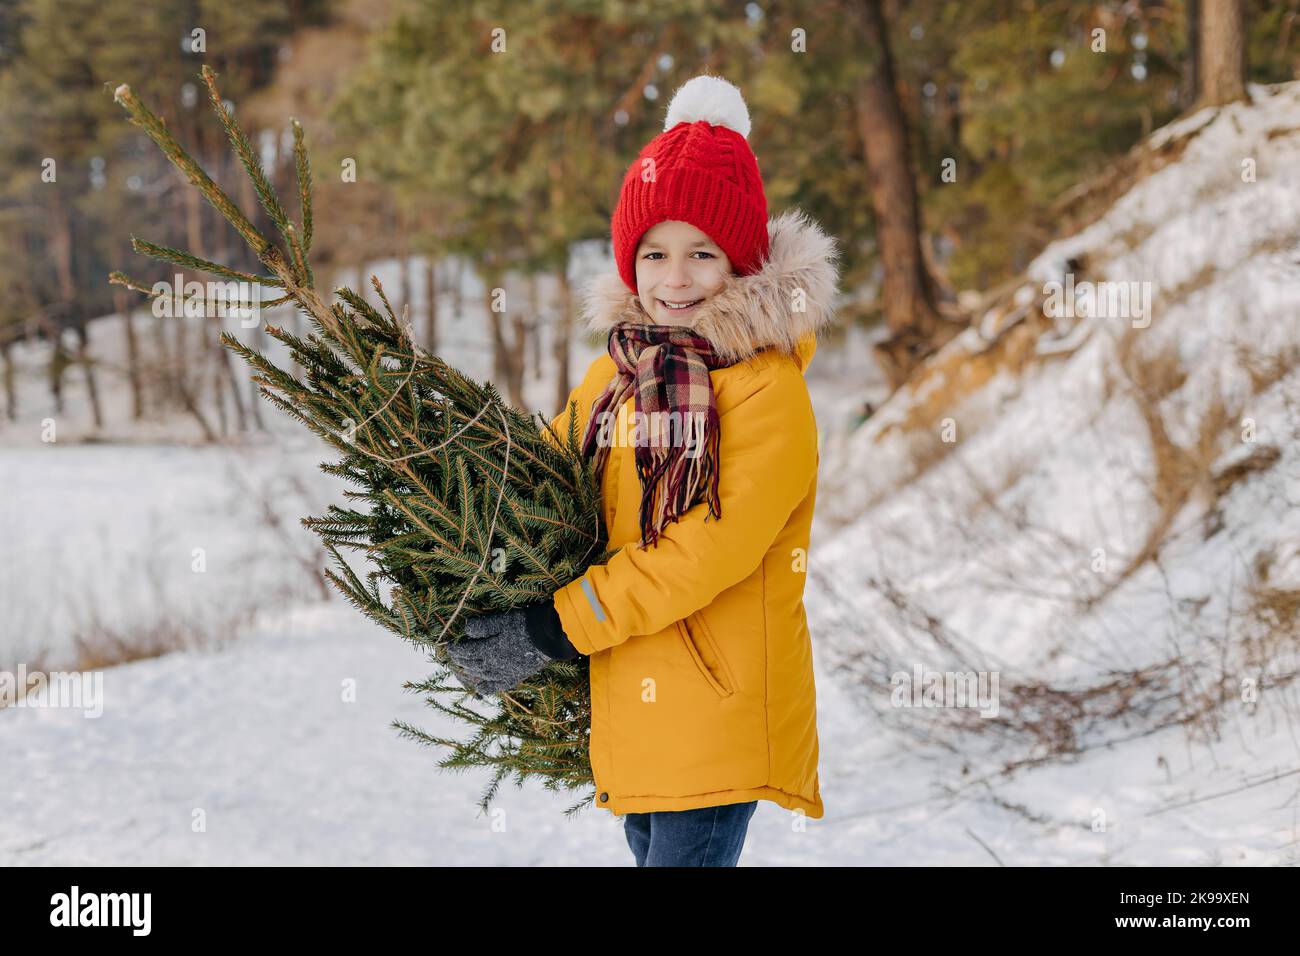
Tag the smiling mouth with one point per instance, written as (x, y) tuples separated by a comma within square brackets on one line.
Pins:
[(679, 306)]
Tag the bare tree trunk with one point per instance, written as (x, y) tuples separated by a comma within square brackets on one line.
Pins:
[(907, 291), (62, 239), (500, 370), (458, 289), (164, 391), (59, 363), (188, 379), (184, 380), (430, 304), (507, 358), (11, 393), (1190, 87), (225, 358), (122, 306), (88, 368), (175, 371), (363, 281), (191, 405), (560, 342), (217, 376), (534, 326), (61, 247), (405, 284), (1223, 52), (181, 382), (516, 382)]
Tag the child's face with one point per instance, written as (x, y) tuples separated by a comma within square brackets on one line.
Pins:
[(677, 263)]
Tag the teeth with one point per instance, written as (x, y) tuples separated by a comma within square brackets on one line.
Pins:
[(679, 305)]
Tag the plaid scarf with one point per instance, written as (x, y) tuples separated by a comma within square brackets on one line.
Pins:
[(666, 367)]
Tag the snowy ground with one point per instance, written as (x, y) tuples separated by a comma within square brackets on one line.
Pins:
[(151, 539), (259, 743), (250, 728)]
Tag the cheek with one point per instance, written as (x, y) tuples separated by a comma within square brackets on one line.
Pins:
[(716, 276)]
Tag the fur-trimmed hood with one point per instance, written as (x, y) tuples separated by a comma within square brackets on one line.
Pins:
[(783, 305)]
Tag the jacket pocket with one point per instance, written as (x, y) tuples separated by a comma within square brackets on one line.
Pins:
[(704, 651)]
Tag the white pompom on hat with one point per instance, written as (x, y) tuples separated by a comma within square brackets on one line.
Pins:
[(709, 98)]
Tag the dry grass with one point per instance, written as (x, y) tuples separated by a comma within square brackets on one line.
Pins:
[(96, 645), (1181, 474), (1039, 721), (952, 377), (172, 625), (1274, 608), (946, 382), (1194, 685)]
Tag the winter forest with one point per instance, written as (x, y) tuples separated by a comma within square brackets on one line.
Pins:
[(1052, 582)]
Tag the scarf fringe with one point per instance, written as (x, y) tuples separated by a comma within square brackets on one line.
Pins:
[(684, 479), (671, 481)]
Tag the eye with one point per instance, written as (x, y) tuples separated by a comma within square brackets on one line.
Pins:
[(698, 252)]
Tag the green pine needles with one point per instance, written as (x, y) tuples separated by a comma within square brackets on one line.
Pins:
[(462, 504)]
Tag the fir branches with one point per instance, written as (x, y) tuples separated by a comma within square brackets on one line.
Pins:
[(462, 504)]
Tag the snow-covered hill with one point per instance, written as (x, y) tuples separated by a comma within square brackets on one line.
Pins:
[(1101, 504)]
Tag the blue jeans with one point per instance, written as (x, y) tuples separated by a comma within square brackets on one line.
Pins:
[(709, 836)]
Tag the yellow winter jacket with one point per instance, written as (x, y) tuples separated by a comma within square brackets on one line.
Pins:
[(701, 668)]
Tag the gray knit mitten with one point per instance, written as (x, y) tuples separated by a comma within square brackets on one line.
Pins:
[(498, 650)]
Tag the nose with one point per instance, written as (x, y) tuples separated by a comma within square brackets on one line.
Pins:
[(677, 277)]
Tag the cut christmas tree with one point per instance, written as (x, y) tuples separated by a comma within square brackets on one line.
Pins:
[(469, 505)]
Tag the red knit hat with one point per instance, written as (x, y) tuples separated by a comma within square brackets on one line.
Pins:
[(700, 170)]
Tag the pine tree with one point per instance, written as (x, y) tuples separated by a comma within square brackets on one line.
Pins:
[(471, 505)]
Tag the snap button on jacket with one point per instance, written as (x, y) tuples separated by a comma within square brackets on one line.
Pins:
[(701, 668)]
